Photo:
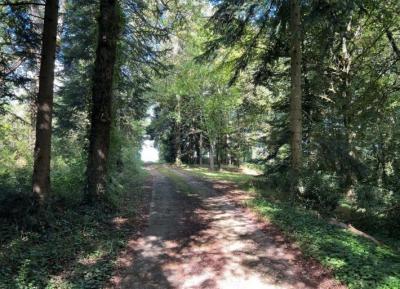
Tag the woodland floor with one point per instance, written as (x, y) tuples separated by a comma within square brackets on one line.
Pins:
[(200, 236)]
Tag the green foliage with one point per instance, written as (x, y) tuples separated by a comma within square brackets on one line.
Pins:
[(68, 176), (356, 261), (124, 161), (19, 45), (321, 191), (181, 185), (194, 101), (78, 246), (15, 169), (233, 109), (350, 115)]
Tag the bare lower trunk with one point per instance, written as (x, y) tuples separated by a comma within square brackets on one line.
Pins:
[(200, 150), (178, 158), (42, 152), (212, 149), (295, 112), (102, 99), (218, 153)]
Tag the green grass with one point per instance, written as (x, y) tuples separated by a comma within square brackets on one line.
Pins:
[(355, 261), (181, 184), (238, 178), (76, 249)]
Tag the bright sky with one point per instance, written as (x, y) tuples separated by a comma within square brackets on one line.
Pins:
[(149, 153)]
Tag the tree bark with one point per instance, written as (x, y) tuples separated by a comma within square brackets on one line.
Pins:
[(212, 149), (201, 149), (44, 105), (295, 112), (198, 145), (178, 157), (218, 153), (101, 114)]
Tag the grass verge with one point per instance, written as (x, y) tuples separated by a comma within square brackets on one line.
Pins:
[(355, 261), (76, 249), (181, 185)]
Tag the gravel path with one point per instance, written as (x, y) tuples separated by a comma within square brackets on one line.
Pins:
[(206, 240)]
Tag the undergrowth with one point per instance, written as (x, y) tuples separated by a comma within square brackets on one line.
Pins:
[(78, 246)]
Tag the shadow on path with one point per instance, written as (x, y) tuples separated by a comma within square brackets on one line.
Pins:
[(206, 240)]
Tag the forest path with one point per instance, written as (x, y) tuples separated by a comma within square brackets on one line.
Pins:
[(198, 236)]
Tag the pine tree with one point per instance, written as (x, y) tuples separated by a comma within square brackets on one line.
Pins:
[(102, 99), (295, 110), (42, 153)]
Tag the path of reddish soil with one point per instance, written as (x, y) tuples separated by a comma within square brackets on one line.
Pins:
[(206, 240)]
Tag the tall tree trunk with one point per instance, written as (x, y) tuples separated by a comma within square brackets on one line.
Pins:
[(218, 153), (197, 148), (42, 152), (346, 64), (101, 114), (178, 157), (212, 150), (201, 149), (295, 94), (178, 149)]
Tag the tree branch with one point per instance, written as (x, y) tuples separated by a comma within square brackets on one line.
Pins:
[(392, 41)]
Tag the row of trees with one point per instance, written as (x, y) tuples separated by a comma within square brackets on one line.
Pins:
[(89, 74), (308, 89), (313, 93)]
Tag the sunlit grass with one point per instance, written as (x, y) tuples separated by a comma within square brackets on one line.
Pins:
[(236, 177), (180, 183), (355, 261)]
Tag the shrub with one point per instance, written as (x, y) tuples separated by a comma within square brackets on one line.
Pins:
[(321, 191)]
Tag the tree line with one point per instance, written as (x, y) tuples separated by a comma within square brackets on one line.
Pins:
[(306, 90), (87, 64)]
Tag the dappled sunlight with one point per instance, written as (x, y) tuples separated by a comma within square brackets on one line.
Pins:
[(352, 258), (119, 221), (101, 154), (204, 240)]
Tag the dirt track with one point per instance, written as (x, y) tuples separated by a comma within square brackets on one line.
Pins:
[(206, 240)]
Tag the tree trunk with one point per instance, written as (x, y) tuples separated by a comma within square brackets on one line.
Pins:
[(42, 152), (346, 64), (218, 153), (212, 149), (201, 149), (198, 141), (101, 116), (295, 112), (178, 157)]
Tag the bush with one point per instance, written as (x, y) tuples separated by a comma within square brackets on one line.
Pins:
[(68, 179), (372, 198), (321, 192), (277, 175), (381, 209)]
